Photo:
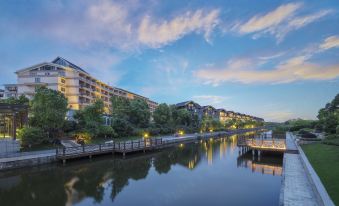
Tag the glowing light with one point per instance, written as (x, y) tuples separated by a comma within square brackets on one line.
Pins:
[(146, 135), (181, 132), (181, 145), (211, 130)]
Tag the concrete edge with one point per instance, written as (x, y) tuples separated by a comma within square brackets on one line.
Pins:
[(317, 185), (282, 187)]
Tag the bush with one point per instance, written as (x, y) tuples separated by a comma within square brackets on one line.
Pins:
[(82, 137), (106, 131), (306, 134), (31, 136)]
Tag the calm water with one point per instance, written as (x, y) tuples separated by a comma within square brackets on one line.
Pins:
[(210, 173)]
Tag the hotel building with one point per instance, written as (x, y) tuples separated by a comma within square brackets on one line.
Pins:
[(219, 114), (78, 86)]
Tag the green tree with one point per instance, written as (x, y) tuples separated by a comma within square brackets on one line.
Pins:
[(11, 100), (48, 110), (139, 114), (120, 116), (162, 115), (90, 118)]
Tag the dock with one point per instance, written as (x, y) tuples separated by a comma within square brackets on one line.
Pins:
[(267, 143), (134, 146)]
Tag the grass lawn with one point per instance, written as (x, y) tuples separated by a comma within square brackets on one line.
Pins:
[(325, 160)]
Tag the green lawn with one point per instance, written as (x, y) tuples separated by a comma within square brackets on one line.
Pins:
[(325, 160)]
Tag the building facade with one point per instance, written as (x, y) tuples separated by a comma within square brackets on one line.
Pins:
[(219, 114), (78, 86)]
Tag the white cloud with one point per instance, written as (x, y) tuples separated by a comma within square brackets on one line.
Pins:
[(214, 100), (278, 116), (155, 34), (273, 18), (279, 22), (297, 23), (330, 42), (293, 69)]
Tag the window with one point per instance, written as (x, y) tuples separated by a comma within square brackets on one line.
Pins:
[(47, 73), (37, 80), (63, 89)]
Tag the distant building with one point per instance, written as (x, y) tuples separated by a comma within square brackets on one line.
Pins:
[(78, 86), (209, 111), (190, 106), (219, 114)]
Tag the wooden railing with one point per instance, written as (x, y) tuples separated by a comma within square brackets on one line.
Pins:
[(262, 143)]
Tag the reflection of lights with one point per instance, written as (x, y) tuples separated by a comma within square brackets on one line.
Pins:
[(181, 145)]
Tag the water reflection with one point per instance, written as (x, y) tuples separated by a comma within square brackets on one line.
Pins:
[(271, 165), (200, 173)]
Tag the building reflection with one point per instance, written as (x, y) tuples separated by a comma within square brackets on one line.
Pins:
[(270, 165)]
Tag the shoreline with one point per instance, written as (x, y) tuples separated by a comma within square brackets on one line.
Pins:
[(36, 159), (300, 183)]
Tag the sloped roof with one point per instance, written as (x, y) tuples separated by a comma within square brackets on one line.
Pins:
[(63, 62), (181, 104)]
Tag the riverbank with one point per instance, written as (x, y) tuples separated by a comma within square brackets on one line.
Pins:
[(30, 159), (325, 160), (300, 184)]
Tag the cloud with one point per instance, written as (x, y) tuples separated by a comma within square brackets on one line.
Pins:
[(278, 116), (293, 69), (297, 23), (330, 42), (279, 22), (214, 100), (155, 34), (273, 18)]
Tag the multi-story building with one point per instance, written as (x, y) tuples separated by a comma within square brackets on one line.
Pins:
[(219, 114), (78, 86), (209, 111), (222, 115), (190, 106)]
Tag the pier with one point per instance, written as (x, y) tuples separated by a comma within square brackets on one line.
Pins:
[(134, 146)]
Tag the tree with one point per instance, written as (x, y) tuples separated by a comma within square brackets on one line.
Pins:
[(120, 116), (120, 107), (48, 110), (21, 100), (139, 114), (162, 115), (90, 118), (329, 116)]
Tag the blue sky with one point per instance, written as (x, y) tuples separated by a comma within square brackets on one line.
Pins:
[(273, 59)]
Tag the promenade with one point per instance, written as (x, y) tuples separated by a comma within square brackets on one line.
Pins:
[(298, 185)]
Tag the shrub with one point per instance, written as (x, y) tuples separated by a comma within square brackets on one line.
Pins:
[(306, 134), (31, 136), (106, 131), (82, 137)]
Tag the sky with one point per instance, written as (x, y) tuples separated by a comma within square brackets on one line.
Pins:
[(277, 60)]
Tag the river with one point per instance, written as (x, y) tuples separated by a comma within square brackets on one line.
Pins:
[(209, 172)]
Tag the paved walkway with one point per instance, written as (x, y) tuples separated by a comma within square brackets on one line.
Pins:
[(296, 188), (27, 155), (290, 144)]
